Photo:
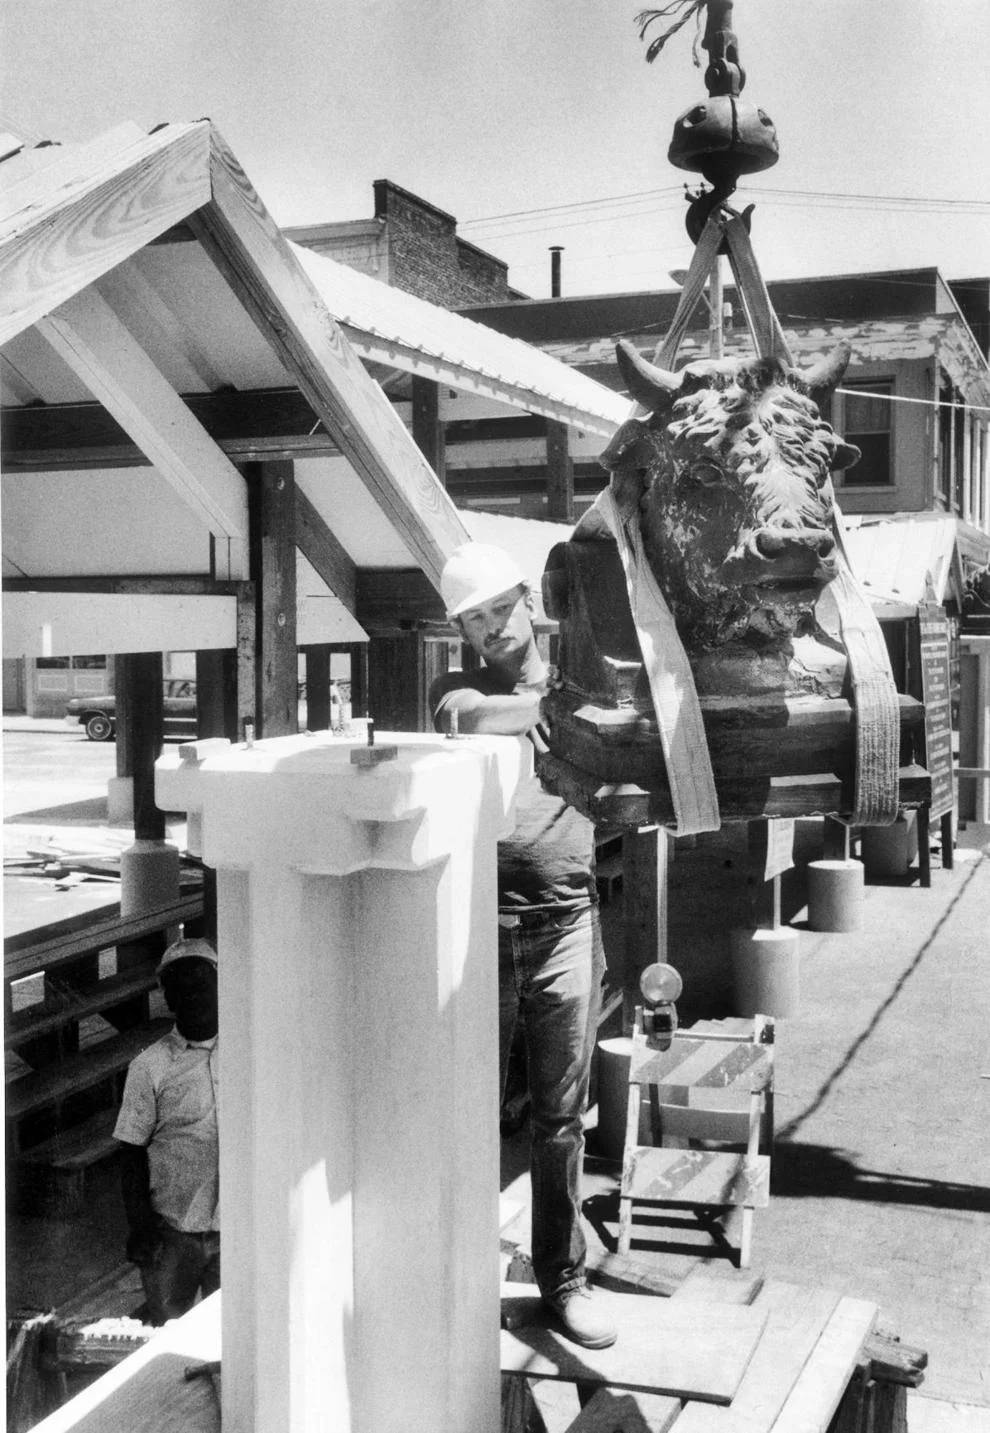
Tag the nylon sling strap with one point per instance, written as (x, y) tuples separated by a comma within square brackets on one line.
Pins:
[(665, 662), (875, 698)]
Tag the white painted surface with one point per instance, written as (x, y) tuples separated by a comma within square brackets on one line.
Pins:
[(358, 998), (39, 624), (100, 521)]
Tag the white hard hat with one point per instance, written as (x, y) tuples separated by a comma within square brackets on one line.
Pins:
[(475, 573), (194, 947)]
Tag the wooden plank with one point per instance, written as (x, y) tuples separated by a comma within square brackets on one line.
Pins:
[(76, 1148), (52, 249), (89, 337), (796, 1319), (41, 1020), (147, 1392), (609, 1412), (81, 935), (714, 1282), (695, 1176), (318, 545), (702, 1064), (819, 1389), (686, 1352), (248, 248), (32, 1092)]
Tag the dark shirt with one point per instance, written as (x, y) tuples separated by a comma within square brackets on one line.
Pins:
[(549, 860)]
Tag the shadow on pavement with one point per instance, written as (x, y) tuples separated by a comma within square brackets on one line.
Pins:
[(92, 812), (812, 1170)]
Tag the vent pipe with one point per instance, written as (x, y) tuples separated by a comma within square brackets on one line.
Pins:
[(555, 252)]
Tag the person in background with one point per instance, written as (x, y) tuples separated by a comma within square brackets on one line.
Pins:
[(551, 960), (167, 1128)]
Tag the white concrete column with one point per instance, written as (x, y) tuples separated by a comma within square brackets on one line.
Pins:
[(359, 1116)]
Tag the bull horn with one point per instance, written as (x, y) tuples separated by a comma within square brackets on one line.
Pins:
[(825, 375), (654, 387)]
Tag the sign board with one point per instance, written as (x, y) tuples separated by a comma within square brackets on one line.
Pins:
[(933, 628)]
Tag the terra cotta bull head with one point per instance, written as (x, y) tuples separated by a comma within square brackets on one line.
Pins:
[(731, 466)]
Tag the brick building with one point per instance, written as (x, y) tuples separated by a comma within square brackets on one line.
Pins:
[(412, 245)]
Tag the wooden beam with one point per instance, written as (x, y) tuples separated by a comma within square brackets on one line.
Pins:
[(111, 205), (391, 599), (272, 489), (89, 337), (244, 242), (243, 423), (194, 585), (320, 548)]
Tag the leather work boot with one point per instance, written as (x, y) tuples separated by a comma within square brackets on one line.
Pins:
[(580, 1318)]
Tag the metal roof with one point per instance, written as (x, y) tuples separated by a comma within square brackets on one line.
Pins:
[(389, 326), (896, 558)]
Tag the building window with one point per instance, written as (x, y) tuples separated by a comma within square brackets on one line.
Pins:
[(867, 422)]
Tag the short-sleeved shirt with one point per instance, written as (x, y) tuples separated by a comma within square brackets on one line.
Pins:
[(170, 1108), (549, 860)]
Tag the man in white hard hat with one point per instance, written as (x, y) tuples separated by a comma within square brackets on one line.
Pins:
[(551, 960), (167, 1127)]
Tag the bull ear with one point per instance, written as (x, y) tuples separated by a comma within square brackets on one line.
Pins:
[(654, 387), (826, 375)]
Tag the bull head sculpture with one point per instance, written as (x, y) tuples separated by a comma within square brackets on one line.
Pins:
[(731, 468)]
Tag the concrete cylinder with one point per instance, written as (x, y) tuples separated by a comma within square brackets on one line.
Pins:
[(889, 850), (765, 971), (149, 877), (613, 1099), (835, 895)]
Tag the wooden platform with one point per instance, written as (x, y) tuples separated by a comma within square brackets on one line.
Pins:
[(795, 1360), (692, 1351)]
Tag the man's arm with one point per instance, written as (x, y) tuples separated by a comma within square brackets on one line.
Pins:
[(497, 714), (135, 1187)]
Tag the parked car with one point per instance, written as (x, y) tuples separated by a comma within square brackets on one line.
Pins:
[(99, 714)]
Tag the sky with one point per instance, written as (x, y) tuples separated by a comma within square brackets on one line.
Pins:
[(539, 122)]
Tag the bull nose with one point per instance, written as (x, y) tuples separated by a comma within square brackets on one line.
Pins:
[(781, 543)]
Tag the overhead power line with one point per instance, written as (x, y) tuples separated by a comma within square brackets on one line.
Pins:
[(584, 211)]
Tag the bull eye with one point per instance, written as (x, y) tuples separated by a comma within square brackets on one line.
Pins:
[(707, 474)]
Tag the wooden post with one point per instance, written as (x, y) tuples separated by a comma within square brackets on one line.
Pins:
[(216, 694), (427, 429), (836, 840), (560, 473), (645, 886), (764, 894), (359, 678), (397, 683), (140, 726), (272, 511), (318, 712)]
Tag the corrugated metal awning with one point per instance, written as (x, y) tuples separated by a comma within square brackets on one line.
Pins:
[(389, 326), (896, 558)]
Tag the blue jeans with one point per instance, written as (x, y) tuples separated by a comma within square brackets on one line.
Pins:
[(183, 1266), (550, 979)]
